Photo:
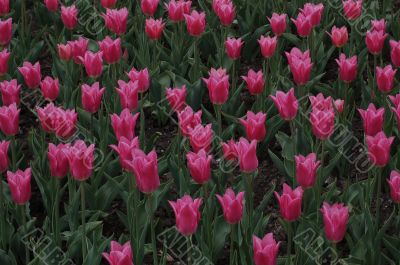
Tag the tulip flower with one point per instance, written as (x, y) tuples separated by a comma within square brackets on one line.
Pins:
[(233, 47), (375, 41), (142, 77), (339, 36), (218, 86), (10, 91), (50, 88), (93, 63), (265, 251), (51, 5), (347, 68), (119, 254), (352, 8), (111, 49), (31, 74), (124, 124), (255, 82), (47, 116), (395, 100), (378, 25), (300, 65), (229, 150), (247, 155), (188, 120), (278, 23), (339, 105), (232, 205), (323, 122), (5, 31), (314, 12), (385, 77), (9, 119), (201, 137), (306, 170), (78, 49), (286, 103), (394, 184), (116, 20), (69, 16), (124, 150), (81, 158), (58, 121), (154, 28), (303, 25), (379, 149), (268, 46), (91, 97), (290, 202), (319, 102), (149, 7), (176, 98), (372, 119), (177, 9), (66, 126), (187, 214), (128, 94), (108, 3), (4, 7), (20, 185), (395, 52), (254, 125), (4, 161), (4, 56), (195, 23), (199, 165), (226, 13), (335, 219), (396, 111), (64, 52), (58, 159)]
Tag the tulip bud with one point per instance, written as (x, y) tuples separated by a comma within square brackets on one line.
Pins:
[(142, 77), (265, 251), (187, 214), (395, 52), (267, 46), (347, 68), (306, 170), (199, 165), (396, 111), (378, 25), (218, 86), (20, 185), (93, 63), (233, 47), (4, 56), (394, 184), (375, 41), (58, 159), (124, 150), (10, 91), (278, 23), (379, 149), (255, 82), (149, 7), (229, 150), (4, 7), (286, 103), (255, 125), (323, 123), (195, 23), (339, 36), (111, 49), (5, 31), (154, 28), (201, 137), (177, 98), (64, 52), (226, 13), (177, 9), (91, 97), (385, 78), (119, 254), (9, 119), (303, 25), (4, 161), (78, 49), (320, 102), (128, 94), (31, 74), (108, 3), (339, 105), (247, 155), (81, 158), (352, 8), (188, 120), (372, 119), (116, 20), (314, 12), (232, 205), (50, 88), (300, 65), (335, 219), (124, 125), (290, 202), (69, 16), (51, 5)]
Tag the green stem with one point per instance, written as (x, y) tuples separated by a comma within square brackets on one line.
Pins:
[(320, 177), (152, 228), (289, 246), (219, 118), (378, 195), (57, 237), (232, 246), (23, 14), (234, 76), (293, 134), (189, 250), (207, 215), (83, 221), (196, 57), (132, 210), (142, 123), (92, 127), (13, 153), (374, 70), (3, 213), (25, 231), (248, 178)]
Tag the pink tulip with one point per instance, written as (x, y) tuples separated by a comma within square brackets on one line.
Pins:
[(124, 124), (286, 103), (177, 98), (352, 8), (385, 77), (306, 170), (199, 165), (9, 119), (265, 251), (111, 49), (188, 120), (347, 68), (375, 41), (69, 16), (339, 36), (4, 7), (254, 125), (303, 25), (149, 7), (290, 202), (4, 56), (395, 100), (4, 161), (247, 155), (187, 214), (195, 23), (394, 184), (378, 25), (154, 28), (50, 88), (201, 137), (300, 65), (58, 159), (64, 52), (93, 63), (177, 9), (5, 31), (218, 85), (395, 52), (91, 97), (268, 46), (65, 125), (51, 5), (81, 158), (233, 47), (379, 149), (78, 49), (255, 82), (396, 112), (372, 119), (319, 102), (124, 150), (335, 219), (108, 3), (229, 150), (119, 254), (314, 12), (31, 74), (20, 185), (232, 205), (10, 91), (128, 94), (142, 77), (226, 13), (116, 20), (278, 23), (323, 123), (48, 116), (339, 105)]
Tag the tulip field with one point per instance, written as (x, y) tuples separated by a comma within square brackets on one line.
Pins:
[(205, 132)]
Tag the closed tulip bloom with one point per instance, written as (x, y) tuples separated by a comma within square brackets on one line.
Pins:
[(4, 56), (375, 41), (314, 12), (187, 214), (154, 28), (9, 119), (232, 205), (5, 31), (177, 9), (201, 137), (119, 254), (78, 49), (226, 13), (64, 52), (216, 4), (306, 170), (395, 52), (254, 81), (116, 20), (247, 155), (199, 165), (265, 251), (323, 123), (51, 5), (20, 185), (286, 103), (290, 202), (233, 47), (396, 112), (142, 77), (10, 91), (91, 97), (31, 74), (352, 8), (81, 158), (303, 25), (385, 78), (395, 100), (69, 16), (195, 23), (50, 88), (339, 36), (378, 25), (149, 7), (65, 124), (128, 94), (347, 68), (176, 98), (300, 65), (111, 49), (267, 46), (4, 7), (58, 159), (46, 116), (93, 63), (108, 3), (188, 120), (254, 125), (229, 150), (339, 105), (394, 184), (124, 124), (335, 219), (372, 119), (379, 149), (319, 102), (124, 150), (4, 161), (218, 86), (278, 23)]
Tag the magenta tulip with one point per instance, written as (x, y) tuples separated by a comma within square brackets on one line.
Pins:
[(335, 219), (232, 205), (20, 185), (187, 214)]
